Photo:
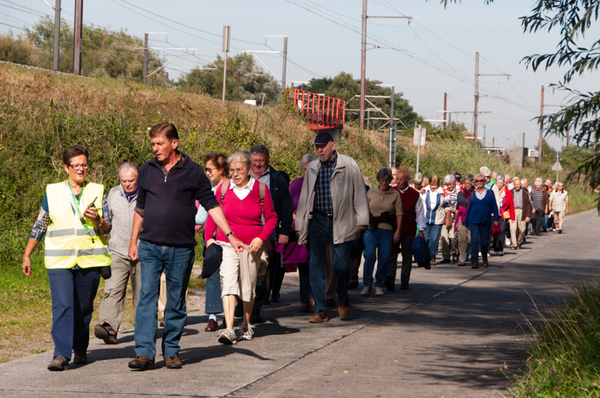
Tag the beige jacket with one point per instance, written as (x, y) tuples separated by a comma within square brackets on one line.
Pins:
[(348, 195)]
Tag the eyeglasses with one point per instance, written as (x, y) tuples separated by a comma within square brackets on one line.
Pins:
[(261, 161), (237, 171), (208, 169), (479, 181), (79, 166)]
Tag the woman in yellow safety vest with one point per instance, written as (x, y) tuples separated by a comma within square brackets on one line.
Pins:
[(75, 250)]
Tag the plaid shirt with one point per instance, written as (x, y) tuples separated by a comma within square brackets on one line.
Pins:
[(323, 186)]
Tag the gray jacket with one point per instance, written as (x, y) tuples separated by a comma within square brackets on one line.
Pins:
[(348, 195), (121, 212)]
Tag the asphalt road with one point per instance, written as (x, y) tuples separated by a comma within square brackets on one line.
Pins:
[(458, 332)]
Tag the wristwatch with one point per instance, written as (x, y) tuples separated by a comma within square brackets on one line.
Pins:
[(230, 233)]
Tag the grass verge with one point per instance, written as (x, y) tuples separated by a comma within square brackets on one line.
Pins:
[(565, 361)]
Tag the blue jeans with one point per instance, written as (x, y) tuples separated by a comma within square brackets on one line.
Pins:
[(432, 235), (320, 234), (214, 303), (177, 263), (72, 291), (480, 237), (378, 246)]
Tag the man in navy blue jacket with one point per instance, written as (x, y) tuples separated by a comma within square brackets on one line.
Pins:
[(282, 202), (168, 186)]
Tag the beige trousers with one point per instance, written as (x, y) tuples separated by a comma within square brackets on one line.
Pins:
[(464, 239), (517, 228), (240, 271)]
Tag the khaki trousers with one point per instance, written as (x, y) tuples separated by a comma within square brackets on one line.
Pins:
[(518, 228), (240, 271), (464, 239), (112, 307), (448, 241)]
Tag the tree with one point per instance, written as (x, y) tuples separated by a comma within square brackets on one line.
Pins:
[(254, 82)]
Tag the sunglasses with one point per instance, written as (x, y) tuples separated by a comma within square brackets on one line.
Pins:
[(479, 180)]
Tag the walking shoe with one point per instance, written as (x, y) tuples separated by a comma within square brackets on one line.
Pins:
[(513, 247), (560, 231), (142, 363), (227, 337), (366, 291), (378, 291), (246, 332), (445, 261), (474, 264), (389, 284), (343, 309), (352, 285), (212, 326), (433, 262), (275, 297), (59, 363), (485, 262), (304, 308), (80, 358), (106, 332), (319, 318), (173, 362), (461, 264)]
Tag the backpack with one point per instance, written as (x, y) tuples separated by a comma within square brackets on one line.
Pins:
[(261, 191)]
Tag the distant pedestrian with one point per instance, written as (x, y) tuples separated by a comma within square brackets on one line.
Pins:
[(539, 206), (448, 237), (433, 205), (121, 200), (559, 203), (522, 214), (334, 196), (506, 209), (464, 235), (385, 207), (481, 214)]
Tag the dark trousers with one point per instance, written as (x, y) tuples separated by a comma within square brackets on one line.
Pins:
[(320, 235), (537, 219), (407, 258), (480, 238), (276, 274), (72, 291), (498, 244), (304, 276)]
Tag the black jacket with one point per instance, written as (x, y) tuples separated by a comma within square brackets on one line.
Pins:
[(168, 203), (282, 202)]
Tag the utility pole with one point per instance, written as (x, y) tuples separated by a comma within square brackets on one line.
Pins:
[(56, 33), (541, 127), (145, 72), (475, 111), (363, 65), (523, 140), (226, 35), (484, 135), (77, 37), (283, 74), (444, 126)]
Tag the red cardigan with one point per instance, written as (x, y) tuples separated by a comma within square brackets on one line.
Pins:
[(244, 216), (509, 204)]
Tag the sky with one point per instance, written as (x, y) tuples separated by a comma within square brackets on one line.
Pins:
[(424, 57)]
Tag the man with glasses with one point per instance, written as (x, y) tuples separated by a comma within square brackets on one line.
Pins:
[(282, 202)]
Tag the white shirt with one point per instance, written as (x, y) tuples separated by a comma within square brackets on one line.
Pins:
[(242, 192)]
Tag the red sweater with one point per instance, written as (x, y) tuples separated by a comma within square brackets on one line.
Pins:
[(244, 216), (508, 204)]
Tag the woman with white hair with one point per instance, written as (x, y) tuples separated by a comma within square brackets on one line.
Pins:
[(245, 202), (433, 205)]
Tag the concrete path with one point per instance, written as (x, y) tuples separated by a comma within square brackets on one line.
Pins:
[(458, 332)]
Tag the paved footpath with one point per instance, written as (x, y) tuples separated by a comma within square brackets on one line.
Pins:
[(448, 336)]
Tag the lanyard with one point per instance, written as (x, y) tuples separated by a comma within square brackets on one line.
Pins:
[(75, 205)]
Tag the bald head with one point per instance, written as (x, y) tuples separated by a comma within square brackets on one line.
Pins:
[(402, 179)]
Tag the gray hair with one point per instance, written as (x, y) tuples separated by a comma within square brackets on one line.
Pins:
[(240, 157), (309, 157), (260, 148), (479, 175), (494, 174), (384, 173), (468, 177), (418, 178), (128, 166), (514, 180), (449, 179), (500, 177), (538, 180), (508, 176), (485, 171)]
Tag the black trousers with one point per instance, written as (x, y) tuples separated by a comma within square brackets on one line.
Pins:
[(536, 221), (407, 257)]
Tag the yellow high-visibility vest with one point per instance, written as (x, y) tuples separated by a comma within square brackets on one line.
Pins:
[(67, 242)]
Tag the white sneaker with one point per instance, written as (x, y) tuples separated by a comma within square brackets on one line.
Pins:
[(246, 332), (366, 291), (378, 291), (227, 337)]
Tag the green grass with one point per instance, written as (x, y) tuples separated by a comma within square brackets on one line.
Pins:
[(565, 360)]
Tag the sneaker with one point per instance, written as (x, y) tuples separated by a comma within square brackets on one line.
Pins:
[(366, 291), (246, 332), (59, 363), (378, 291), (227, 337), (319, 318)]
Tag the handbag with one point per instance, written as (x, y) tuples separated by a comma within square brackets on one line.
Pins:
[(421, 253)]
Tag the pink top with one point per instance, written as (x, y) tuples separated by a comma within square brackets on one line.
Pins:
[(244, 216)]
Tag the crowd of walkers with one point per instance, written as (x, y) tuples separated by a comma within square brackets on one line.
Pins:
[(256, 225)]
